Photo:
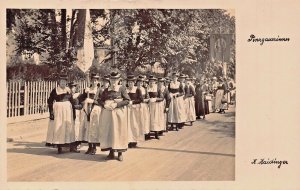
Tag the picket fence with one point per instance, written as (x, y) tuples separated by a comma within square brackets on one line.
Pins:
[(28, 100)]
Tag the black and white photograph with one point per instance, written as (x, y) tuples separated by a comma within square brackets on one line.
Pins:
[(150, 94), (120, 94)]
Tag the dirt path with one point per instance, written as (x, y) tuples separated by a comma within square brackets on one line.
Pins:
[(204, 151)]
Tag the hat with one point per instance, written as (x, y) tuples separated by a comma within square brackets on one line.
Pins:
[(71, 84), (183, 76), (105, 78), (63, 76), (131, 78), (214, 78), (160, 79), (175, 74), (151, 77), (115, 75), (94, 76), (140, 78)]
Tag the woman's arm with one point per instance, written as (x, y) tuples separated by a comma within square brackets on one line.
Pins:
[(125, 97), (50, 102)]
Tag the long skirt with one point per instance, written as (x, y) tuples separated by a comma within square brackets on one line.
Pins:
[(135, 128), (219, 96), (177, 111), (164, 119), (93, 135), (190, 109), (77, 124), (61, 130), (199, 105), (84, 123), (114, 129), (229, 97), (157, 121), (210, 106), (232, 96), (224, 106), (145, 118), (162, 116), (206, 107)]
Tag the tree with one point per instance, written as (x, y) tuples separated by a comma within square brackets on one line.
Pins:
[(178, 39)]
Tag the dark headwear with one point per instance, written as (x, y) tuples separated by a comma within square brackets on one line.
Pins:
[(94, 76), (71, 84), (115, 75), (63, 77), (131, 78), (105, 78), (175, 74), (160, 79), (183, 76), (140, 78), (151, 77)]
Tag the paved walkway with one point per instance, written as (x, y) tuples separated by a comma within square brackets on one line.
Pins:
[(204, 151)]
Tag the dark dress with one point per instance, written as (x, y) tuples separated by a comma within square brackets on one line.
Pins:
[(199, 101)]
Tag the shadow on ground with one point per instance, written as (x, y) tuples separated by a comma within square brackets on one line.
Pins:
[(187, 151), (38, 148), (225, 128)]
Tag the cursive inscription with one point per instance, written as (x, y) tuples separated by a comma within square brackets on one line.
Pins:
[(264, 161), (253, 38)]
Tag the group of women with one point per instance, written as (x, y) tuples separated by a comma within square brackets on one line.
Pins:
[(119, 113)]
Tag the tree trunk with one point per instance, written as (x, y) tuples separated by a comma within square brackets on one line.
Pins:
[(63, 23), (72, 29)]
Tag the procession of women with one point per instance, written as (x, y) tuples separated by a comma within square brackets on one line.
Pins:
[(114, 114)]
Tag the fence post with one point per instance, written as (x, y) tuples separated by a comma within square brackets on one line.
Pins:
[(31, 97), (25, 99), (13, 99), (39, 94), (8, 99), (19, 98)]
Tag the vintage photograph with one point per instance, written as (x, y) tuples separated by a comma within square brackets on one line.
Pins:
[(120, 95)]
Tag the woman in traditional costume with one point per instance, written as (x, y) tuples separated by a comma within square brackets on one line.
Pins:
[(176, 113), (156, 107), (87, 134), (215, 85), (199, 100), (205, 89), (190, 101), (145, 114), (77, 106), (220, 96), (61, 130), (163, 92), (135, 124), (114, 118)]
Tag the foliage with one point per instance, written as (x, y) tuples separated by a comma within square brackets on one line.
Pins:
[(178, 39)]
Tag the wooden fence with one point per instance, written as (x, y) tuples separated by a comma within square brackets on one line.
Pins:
[(28, 100)]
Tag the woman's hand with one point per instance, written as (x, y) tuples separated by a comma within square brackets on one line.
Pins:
[(51, 116), (130, 104)]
